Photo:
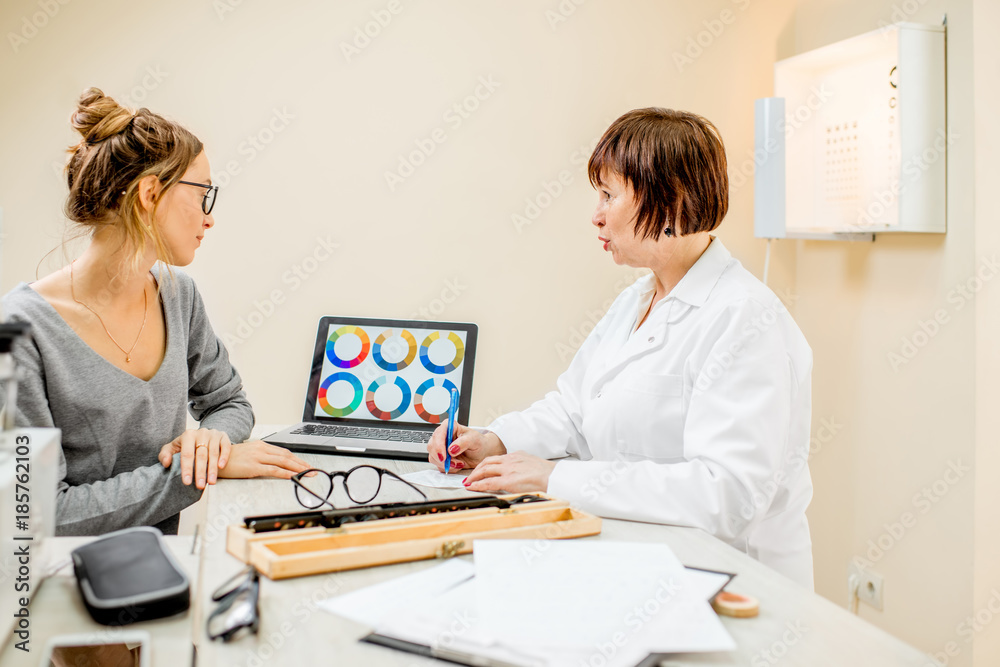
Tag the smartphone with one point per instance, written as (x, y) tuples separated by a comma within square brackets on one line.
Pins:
[(109, 648)]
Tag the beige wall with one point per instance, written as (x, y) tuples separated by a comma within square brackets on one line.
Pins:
[(905, 426), (446, 232), (986, 73)]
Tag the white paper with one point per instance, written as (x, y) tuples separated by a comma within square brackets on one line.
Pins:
[(452, 622), (369, 605), (435, 479), (442, 607), (705, 584), (569, 595)]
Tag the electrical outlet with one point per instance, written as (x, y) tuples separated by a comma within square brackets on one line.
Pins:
[(870, 585)]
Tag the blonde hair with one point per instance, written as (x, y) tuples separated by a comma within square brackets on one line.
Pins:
[(120, 147)]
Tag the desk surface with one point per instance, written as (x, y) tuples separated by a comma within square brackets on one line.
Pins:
[(56, 609), (795, 626)]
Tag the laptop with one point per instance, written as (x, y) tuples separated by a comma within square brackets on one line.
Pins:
[(380, 387)]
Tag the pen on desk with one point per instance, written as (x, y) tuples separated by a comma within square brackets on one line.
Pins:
[(452, 414)]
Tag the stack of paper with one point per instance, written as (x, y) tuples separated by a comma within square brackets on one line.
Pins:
[(546, 602)]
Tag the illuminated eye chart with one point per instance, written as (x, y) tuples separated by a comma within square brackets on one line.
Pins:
[(390, 375)]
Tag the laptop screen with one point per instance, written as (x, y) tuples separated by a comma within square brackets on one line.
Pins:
[(398, 372)]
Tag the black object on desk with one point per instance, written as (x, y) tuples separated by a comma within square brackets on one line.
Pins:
[(130, 576), (239, 606)]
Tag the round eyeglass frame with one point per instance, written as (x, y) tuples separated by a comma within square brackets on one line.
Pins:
[(211, 194), (246, 580), (300, 487)]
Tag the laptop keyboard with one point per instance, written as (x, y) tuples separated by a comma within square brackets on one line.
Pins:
[(340, 431)]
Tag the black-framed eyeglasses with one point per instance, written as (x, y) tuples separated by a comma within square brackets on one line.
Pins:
[(361, 483), (238, 605), (208, 202)]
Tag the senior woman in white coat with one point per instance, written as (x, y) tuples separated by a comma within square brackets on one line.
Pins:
[(689, 403)]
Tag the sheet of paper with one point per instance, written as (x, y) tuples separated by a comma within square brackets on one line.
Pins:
[(705, 584), (435, 479), (451, 622), (369, 605), (569, 595), (441, 607)]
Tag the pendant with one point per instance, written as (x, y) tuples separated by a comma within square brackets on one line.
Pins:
[(128, 359)]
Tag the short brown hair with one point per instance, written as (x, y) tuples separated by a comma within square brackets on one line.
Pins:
[(119, 148), (675, 163)]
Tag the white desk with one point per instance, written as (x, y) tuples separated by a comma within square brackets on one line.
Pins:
[(797, 627), (57, 609)]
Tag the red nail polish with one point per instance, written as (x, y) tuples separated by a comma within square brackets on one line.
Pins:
[(454, 449), (440, 456), (465, 482), (456, 464)]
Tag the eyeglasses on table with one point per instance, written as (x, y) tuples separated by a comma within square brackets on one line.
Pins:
[(362, 484), (238, 608)]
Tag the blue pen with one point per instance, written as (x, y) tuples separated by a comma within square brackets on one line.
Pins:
[(452, 414)]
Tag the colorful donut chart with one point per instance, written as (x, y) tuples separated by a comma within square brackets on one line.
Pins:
[(370, 398), (418, 399), (411, 354), (344, 331), (455, 363), (355, 402)]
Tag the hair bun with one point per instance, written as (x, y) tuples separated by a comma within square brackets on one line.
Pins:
[(98, 116)]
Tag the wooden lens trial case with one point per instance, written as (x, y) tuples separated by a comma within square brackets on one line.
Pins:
[(306, 551)]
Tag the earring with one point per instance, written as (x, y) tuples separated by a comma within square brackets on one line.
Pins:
[(669, 231)]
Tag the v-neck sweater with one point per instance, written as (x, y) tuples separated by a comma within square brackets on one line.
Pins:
[(114, 423)]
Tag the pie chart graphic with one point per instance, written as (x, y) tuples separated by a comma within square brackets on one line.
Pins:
[(347, 330), (324, 403), (382, 414), (446, 368), (418, 399), (411, 352)]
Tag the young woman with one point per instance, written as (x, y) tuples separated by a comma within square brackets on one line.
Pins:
[(689, 403), (121, 345)]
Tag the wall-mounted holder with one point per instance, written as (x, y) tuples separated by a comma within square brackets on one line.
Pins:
[(855, 140)]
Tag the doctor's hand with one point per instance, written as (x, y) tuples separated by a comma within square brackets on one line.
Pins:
[(204, 452), (468, 447), (514, 473), (256, 458)]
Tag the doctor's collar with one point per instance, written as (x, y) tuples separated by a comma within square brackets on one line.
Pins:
[(697, 284)]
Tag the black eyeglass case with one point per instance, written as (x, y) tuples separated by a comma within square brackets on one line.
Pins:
[(129, 576)]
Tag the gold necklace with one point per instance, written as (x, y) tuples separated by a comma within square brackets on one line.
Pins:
[(145, 307)]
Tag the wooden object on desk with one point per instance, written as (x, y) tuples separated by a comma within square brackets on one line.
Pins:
[(300, 552), (735, 605)]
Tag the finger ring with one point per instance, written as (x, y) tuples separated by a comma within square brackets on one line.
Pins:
[(201, 444)]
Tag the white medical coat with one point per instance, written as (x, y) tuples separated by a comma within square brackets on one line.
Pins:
[(698, 418)]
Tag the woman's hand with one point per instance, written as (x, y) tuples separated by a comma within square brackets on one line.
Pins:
[(514, 473), (204, 452), (468, 447), (256, 458)]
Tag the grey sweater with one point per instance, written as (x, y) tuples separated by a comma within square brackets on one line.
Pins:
[(113, 423)]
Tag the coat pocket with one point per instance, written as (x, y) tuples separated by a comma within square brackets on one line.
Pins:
[(650, 419)]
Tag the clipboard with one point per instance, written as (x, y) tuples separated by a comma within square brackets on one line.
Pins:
[(472, 660)]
